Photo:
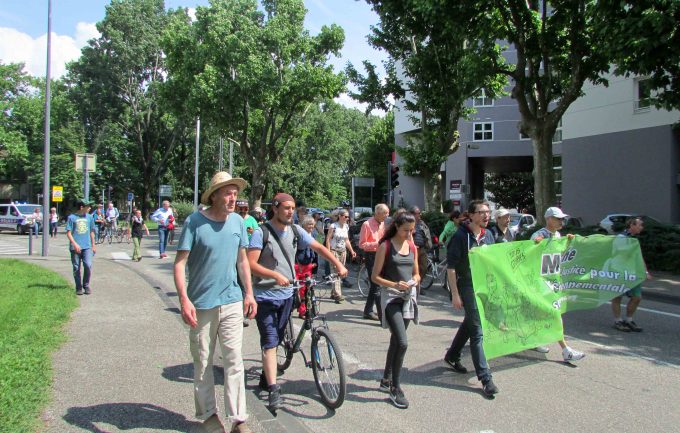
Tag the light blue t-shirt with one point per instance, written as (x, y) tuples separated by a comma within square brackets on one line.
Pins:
[(547, 234), (211, 267), (304, 241), (80, 227)]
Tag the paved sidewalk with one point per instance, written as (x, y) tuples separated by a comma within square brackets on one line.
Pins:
[(126, 366)]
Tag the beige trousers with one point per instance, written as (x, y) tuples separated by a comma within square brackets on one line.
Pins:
[(223, 324), (336, 291)]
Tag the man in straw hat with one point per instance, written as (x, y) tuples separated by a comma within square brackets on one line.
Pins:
[(272, 262), (213, 246)]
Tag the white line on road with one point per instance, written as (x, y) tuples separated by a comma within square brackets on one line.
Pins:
[(120, 256)]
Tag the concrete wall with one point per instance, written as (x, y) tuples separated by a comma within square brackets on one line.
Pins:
[(631, 171)]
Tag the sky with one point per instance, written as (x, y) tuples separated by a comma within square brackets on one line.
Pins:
[(23, 31)]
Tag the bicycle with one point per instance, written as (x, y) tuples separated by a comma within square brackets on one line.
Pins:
[(363, 279), (436, 271), (326, 359), (122, 232)]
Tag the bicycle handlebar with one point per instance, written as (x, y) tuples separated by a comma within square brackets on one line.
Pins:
[(312, 282)]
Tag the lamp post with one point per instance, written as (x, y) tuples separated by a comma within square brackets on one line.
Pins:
[(46, 150), (231, 154)]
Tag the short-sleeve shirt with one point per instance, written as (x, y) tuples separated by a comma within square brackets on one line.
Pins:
[(547, 234), (340, 235), (80, 227), (251, 225), (304, 241), (213, 250)]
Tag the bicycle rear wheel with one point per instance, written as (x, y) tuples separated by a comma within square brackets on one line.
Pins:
[(363, 280), (284, 351), (329, 368), (119, 235), (428, 278)]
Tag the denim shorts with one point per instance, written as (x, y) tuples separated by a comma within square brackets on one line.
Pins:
[(272, 318)]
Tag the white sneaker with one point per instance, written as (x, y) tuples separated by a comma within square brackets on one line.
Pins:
[(570, 354), (541, 349)]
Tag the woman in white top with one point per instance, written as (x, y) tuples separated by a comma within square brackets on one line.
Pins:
[(54, 219), (337, 241)]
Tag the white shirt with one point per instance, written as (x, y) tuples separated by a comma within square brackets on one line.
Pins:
[(340, 235)]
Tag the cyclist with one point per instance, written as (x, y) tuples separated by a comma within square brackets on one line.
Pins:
[(112, 215), (99, 220), (396, 271), (271, 263)]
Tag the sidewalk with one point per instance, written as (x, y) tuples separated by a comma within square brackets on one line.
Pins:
[(126, 366)]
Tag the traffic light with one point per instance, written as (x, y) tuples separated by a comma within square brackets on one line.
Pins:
[(395, 176)]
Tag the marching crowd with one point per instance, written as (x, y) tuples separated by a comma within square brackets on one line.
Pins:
[(231, 265)]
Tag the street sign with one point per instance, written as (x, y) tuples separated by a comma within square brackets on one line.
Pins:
[(88, 160), (131, 196), (57, 194), (364, 181), (165, 191)]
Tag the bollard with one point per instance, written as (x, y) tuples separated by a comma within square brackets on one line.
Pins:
[(30, 241)]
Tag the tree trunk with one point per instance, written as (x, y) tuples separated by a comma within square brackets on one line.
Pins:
[(431, 190), (544, 176), (257, 184)]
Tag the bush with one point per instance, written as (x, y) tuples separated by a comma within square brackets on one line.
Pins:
[(182, 210), (436, 221)]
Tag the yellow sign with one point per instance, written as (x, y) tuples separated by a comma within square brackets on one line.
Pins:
[(57, 194)]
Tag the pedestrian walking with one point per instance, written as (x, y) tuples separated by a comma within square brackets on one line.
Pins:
[(337, 241), (459, 274), (212, 247), (554, 218), (423, 240), (396, 272), (634, 226), (37, 218), (371, 233), (80, 234), (271, 255), (162, 217), (54, 220), (137, 228), (501, 231)]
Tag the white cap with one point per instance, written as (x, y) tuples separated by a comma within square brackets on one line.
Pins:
[(555, 212), (501, 212)]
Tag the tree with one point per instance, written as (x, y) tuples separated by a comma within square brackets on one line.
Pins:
[(253, 75), (116, 84), (514, 190), (14, 83), (644, 40), (441, 70)]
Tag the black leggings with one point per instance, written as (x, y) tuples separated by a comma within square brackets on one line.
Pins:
[(398, 341)]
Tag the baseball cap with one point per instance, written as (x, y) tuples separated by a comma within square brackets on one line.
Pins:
[(242, 203), (555, 212), (259, 209), (282, 197), (501, 212)]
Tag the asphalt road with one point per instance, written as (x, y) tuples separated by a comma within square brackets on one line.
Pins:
[(628, 382)]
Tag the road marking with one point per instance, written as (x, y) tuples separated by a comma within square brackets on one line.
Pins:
[(120, 256), (12, 249)]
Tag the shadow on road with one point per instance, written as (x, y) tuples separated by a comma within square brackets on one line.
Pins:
[(128, 416)]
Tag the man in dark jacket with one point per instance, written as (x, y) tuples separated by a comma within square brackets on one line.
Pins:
[(469, 236)]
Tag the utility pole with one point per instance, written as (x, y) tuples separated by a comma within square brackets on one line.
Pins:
[(198, 139), (46, 150)]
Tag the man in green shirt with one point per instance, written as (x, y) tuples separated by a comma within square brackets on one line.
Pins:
[(249, 220)]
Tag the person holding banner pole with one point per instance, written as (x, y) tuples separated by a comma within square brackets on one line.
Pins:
[(634, 227), (468, 236), (554, 218)]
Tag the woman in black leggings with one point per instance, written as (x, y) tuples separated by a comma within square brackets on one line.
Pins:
[(396, 272)]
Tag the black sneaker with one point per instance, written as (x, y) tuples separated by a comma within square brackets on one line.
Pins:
[(490, 388), (385, 385), (621, 326), (632, 326), (398, 398), (88, 291), (275, 399), (456, 365), (79, 292)]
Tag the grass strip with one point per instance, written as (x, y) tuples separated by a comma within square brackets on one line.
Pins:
[(35, 303)]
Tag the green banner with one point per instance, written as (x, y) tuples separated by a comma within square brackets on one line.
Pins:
[(522, 288)]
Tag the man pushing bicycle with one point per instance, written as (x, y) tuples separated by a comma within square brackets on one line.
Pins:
[(271, 255)]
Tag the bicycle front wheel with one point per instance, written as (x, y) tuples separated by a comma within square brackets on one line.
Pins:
[(329, 368), (364, 281), (428, 278), (284, 351)]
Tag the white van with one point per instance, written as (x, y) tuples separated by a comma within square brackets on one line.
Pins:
[(15, 216)]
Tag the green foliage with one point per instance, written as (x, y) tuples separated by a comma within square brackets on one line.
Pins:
[(436, 221), (512, 190), (660, 245), (34, 304), (182, 209), (253, 74)]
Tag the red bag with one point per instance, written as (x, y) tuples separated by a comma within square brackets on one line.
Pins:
[(171, 221)]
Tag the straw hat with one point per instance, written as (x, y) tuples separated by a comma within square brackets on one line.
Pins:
[(220, 179)]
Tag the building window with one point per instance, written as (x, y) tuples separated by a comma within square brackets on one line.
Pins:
[(643, 95), (523, 136), (482, 131), (557, 168), (481, 100), (557, 137)]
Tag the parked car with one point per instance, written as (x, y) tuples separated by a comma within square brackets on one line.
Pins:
[(15, 216), (616, 222), (520, 222)]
